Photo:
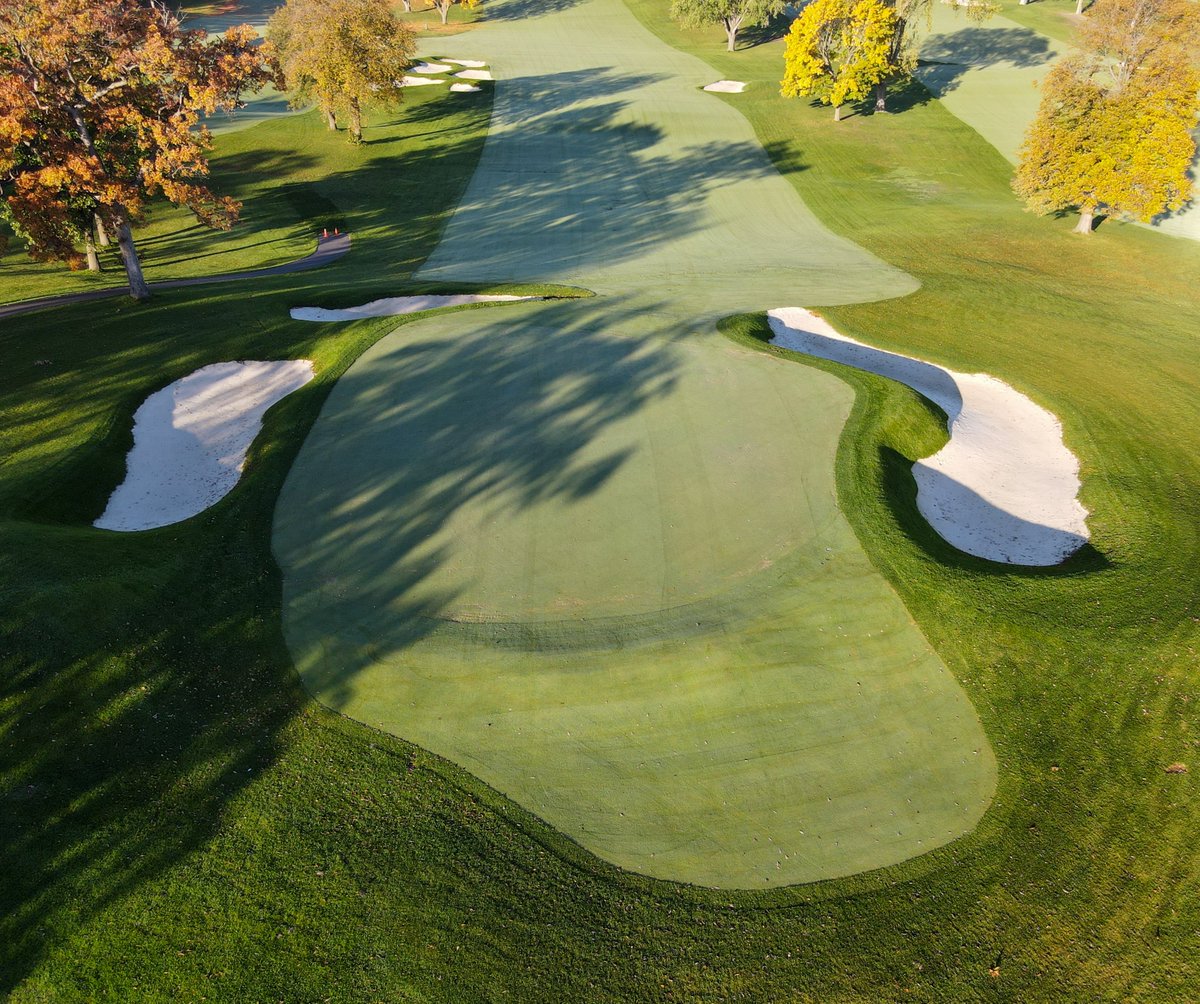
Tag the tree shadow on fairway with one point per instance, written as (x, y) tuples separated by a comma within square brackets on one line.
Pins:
[(524, 10), (946, 59), (144, 681), (573, 177), (494, 410), (761, 34)]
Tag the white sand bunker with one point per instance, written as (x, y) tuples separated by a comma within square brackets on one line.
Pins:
[(726, 86), (475, 75), (432, 68), (419, 81), (464, 88), (190, 440), (1005, 487), (473, 64), (394, 305)]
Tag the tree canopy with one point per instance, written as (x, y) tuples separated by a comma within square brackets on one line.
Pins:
[(732, 15), (837, 50), (342, 54), (1113, 130), (443, 6), (100, 109)]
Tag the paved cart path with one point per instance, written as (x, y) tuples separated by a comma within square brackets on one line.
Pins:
[(329, 249)]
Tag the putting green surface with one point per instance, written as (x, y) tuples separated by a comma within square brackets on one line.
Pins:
[(590, 549)]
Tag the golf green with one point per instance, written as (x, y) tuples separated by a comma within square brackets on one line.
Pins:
[(591, 550)]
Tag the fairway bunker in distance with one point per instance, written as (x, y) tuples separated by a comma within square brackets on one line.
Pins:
[(726, 87), (471, 64), (432, 68), (465, 88), (475, 75), (190, 440), (398, 305), (1005, 487), (420, 81)]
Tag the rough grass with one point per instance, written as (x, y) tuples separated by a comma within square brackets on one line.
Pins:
[(178, 822)]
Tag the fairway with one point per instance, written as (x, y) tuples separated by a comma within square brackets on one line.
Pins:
[(591, 550), (987, 73)]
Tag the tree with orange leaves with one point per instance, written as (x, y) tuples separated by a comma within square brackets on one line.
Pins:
[(100, 110)]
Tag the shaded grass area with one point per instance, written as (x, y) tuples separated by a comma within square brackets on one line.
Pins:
[(282, 214), (571, 561), (179, 822), (1089, 669)]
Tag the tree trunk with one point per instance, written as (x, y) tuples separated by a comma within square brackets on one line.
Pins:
[(355, 121), (732, 25), (93, 259), (133, 264), (407, 6), (444, 10), (837, 113), (101, 231), (1079, 6), (330, 118), (1086, 215), (895, 51)]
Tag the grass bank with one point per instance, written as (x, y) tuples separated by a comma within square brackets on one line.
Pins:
[(180, 822)]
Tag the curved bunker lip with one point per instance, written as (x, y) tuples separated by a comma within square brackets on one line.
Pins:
[(394, 306), (190, 440), (1005, 487)]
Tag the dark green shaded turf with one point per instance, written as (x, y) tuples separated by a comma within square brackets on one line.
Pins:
[(215, 835)]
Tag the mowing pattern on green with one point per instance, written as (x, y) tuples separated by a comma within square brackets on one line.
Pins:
[(987, 74), (590, 549)]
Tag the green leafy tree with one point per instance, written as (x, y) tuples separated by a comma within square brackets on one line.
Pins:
[(837, 50), (443, 6), (343, 55), (732, 15), (1113, 130)]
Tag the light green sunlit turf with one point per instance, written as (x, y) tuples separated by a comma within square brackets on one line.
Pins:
[(987, 73), (591, 550)]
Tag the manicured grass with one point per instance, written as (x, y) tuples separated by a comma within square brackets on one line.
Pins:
[(282, 214), (607, 574), (601, 489), (179, 822)]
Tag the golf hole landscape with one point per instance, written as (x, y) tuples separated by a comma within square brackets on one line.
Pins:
[(668, 542)]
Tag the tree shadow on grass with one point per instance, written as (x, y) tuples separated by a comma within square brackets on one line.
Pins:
[(573, 178), (946, 59), (524, 10), (145, 682), (762, 34)]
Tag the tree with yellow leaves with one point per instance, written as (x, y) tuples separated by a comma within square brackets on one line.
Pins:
[(1113, 131), (838, 50), (343, 55), (100, 110)]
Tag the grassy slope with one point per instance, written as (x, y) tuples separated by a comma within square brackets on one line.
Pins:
[(179, 822), (1097, 671)]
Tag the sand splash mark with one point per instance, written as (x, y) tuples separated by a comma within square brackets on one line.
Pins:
[(1005, 487)]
